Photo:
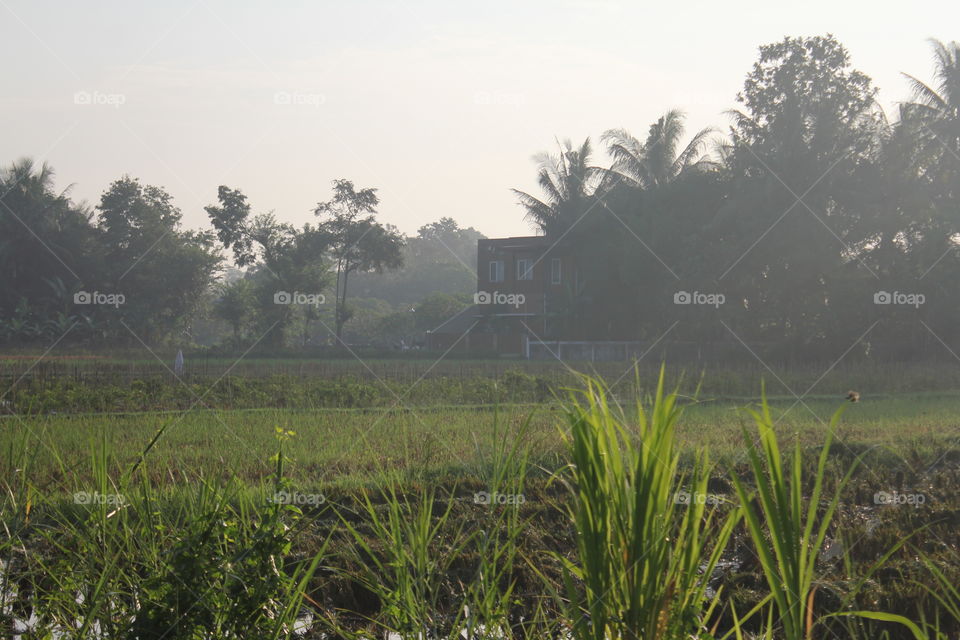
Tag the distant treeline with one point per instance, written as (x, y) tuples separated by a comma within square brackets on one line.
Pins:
[(125, 273), (818, 223)]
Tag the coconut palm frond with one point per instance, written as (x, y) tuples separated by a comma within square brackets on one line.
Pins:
[(549, 179), (566, 179), (925, 94), (740, 119), (537, 211), (692, 154), (627, 154)]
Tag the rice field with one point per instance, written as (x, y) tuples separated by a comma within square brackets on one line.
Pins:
[(449, 507), (358, 446)]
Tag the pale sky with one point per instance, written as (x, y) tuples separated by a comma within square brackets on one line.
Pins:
[(438, 104)]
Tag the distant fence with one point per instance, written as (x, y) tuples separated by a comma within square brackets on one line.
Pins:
[(729, 352), (584, 350), (623, 351)]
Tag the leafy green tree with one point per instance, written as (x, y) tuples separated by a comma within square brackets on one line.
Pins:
[(368, 325), (235, 304), (287, 260), (48, 249), (397, 327), (439, 242), (436, 309), (358, 243), (162, 270), (441, 258), (132, 245), (661, 241), (649, 179), (810, 119), (803, 98)]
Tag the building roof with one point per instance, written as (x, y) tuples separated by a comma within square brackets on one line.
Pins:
[(514, 241)]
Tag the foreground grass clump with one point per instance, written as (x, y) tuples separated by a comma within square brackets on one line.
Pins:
[(794, 532), (645, 554), (644, 562), (113, 565)]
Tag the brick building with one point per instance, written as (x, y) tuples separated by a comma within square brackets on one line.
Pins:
[(523, 285)]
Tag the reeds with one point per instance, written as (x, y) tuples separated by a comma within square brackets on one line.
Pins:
[(787, 533), (644, 554), (116, 562)]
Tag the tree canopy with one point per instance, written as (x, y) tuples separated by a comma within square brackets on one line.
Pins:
[(815, 215)]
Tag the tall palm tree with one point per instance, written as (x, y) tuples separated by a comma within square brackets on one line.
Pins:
[(569, 183), (937, 109), (657, 160), (24, 173), (933, 120)]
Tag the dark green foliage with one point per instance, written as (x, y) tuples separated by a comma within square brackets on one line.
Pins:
[(133, 245), (814, 203)]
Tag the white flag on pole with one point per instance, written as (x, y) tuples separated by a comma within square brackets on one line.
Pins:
[(178, 363)]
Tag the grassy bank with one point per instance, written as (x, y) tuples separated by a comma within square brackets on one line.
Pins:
[(41, 386)]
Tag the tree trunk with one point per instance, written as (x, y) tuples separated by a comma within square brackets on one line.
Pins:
[(336, 303), (341, 308)]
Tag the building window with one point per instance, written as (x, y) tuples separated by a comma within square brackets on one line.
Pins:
[(555, 271), (496, 271), (524, 269)]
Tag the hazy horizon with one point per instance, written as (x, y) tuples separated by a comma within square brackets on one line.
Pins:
[(440, 107)]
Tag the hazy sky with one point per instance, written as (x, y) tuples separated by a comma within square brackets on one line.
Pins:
[(440, 105)]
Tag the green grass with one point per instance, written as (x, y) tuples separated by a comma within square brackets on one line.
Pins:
[(400, 544), (352, 447), (445, 376)]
